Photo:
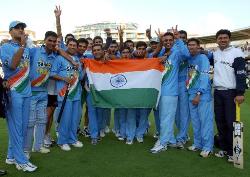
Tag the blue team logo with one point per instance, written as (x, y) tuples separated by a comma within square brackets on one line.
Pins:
[(118, 81)]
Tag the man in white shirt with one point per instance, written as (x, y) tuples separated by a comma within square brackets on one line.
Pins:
[(229, 84)]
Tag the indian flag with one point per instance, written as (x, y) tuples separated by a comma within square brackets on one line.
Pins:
[(124, 83), (19, 81), (72, 90), (43, 78)]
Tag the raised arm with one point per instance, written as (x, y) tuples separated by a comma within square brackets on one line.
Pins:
[(108, 39), (148, 33), (179, 44), (120, 33), (58, 13), (159, 46)]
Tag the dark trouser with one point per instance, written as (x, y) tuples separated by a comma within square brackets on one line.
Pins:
[(224, 108)]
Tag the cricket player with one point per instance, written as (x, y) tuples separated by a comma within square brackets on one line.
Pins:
[(169, 90), (229, 84), (200, 99), (41, 60), (68, 76), (16, 67)]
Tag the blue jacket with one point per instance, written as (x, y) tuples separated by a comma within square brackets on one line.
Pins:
[(170, 75), (198, 76), (40, 64), (19, 78), (64, 68)]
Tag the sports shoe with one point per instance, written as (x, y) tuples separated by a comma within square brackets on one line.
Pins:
[(179, 145), (117, 134), (99, 139), (26, 167), (221, 154), (193, 148), (129, 142), (86, 131), (157, 143), (65, 147), (47, 145), (47, 141), (205, 153), (42, 150), (114, 131), (102, 133), (230, 159), (3, 172), (188, 139), (78, 144), (106, 130), (158, 149), (27, 154), (10, 161), (139, 140), (94, 141), (81, 132), (120, 138), (52, 139)]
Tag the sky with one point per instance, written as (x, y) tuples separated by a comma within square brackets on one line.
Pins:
[(195, 16)]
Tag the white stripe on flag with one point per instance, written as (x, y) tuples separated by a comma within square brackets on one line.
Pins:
[(136, 79)]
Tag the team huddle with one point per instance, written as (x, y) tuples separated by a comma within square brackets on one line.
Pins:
[(38, 79)]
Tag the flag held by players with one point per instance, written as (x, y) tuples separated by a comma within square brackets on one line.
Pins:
[(124, 83)]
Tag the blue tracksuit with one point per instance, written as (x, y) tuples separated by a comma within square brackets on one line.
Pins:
[(96, 116), (201, 114), (169, 93), (19, 97), (182, 118), (40, 64), (182, 113), (136, 122), (71, 115)]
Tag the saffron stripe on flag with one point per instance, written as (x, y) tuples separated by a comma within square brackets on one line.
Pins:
[(128, 65)]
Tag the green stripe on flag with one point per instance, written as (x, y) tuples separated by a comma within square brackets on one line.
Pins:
[(73, 92), (22, 85), (125, 98)]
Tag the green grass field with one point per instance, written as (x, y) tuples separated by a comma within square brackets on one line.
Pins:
[(111, 158)]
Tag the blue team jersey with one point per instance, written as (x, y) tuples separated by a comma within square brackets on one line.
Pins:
[(63, 46), (41, 64), (64, 68), (172, 65), (183, 67), (183, 71), (18, 79), (198, 76)]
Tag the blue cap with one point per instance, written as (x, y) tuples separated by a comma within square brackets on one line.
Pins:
[(15, 23)]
